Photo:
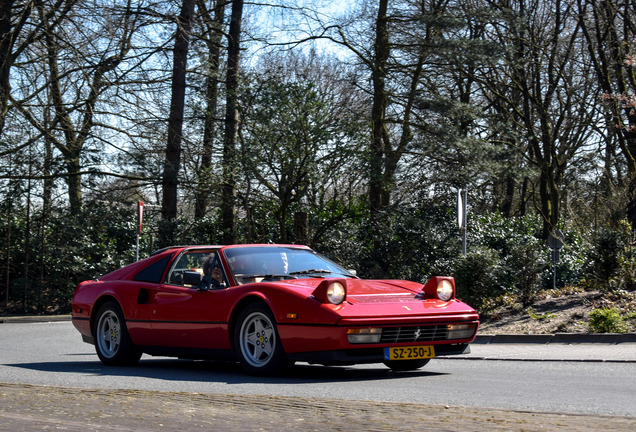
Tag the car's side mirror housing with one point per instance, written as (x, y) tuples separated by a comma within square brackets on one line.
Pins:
[(192, 278)]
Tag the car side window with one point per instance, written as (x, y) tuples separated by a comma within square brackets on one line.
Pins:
[(153, 272), (188, 261)]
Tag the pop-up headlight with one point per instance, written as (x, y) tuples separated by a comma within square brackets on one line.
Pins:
[(331, 291)]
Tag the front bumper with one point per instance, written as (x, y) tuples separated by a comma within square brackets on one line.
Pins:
[(366, 355), (301, 338)]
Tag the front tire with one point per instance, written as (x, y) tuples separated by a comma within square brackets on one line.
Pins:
[(112, 341), (257, 343), (406, 365)]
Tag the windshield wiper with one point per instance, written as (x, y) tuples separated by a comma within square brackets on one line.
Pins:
[(267, 276), (311, 271)]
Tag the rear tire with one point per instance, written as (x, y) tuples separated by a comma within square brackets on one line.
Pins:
[(256, 341), (406, 365), (112, 341)]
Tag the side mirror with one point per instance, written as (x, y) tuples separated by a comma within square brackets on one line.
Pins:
[(192, 278)]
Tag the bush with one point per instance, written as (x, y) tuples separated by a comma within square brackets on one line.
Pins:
[(607, 320), (407, 243), (522, 255), (68, 250), (610, 262), (505, 255), (525, 266), (477, 278)]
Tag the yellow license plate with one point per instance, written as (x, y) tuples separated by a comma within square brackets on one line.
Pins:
[(409, 353)]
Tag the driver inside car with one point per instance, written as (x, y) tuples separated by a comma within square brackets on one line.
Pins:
[(212, 274)]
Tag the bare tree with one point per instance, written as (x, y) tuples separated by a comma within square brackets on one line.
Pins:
[(18, 31), (213, 27), (609, 28), (175, 119), (296, 138), (79, 73), (228, 194), (542, 90)]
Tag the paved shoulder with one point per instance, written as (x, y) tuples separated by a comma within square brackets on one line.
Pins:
[(555, 347)]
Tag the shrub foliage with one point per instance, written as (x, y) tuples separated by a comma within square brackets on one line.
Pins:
[(505, 258)]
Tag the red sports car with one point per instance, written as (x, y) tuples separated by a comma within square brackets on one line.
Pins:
[(268, 306)]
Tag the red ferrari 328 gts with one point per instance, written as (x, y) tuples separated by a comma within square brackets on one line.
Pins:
[(268, 306)]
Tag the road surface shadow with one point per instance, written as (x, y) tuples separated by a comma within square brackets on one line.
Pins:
[(227, 372)]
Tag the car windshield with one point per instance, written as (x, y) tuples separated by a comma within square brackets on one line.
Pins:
[(255, 264)]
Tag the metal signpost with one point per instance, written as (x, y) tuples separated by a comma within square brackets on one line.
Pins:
[(462, 196), (140, 220), (556, 242)]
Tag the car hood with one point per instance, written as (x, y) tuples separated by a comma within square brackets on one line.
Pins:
[(383, 299), (381, 291), (364, 290)]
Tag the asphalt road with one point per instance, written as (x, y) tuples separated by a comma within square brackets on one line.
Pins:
[(52, 354)]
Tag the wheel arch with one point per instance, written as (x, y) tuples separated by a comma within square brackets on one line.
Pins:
[(113, 343), (239, 307), (97, 306)]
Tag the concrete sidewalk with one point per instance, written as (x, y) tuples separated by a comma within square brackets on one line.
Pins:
[(554, 347)]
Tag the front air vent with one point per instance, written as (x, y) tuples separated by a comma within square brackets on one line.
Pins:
[(414, 334)]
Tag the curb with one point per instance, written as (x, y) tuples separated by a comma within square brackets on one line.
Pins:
[(557, 338), (483, 339), (33, 319)]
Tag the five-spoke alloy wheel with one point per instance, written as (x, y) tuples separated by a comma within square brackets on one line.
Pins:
[(112, 341), (257, 343)]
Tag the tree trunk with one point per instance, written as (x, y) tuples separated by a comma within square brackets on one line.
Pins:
[(74, 182), (6, 57), (508, 186), (550, 200), (47, 167), (175, 119), (72, 149), (301, 228), (228, 194), (204, 186), (377, 188), (75, 137)]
